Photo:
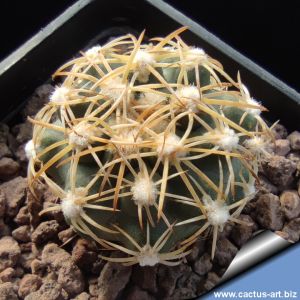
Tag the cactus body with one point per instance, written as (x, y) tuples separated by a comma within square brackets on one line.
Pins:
[(146, 146)]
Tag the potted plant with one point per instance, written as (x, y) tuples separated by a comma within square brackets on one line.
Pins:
[(146, 147)]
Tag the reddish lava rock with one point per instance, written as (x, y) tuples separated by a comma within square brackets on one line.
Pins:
[(294, 139), (293, 230), (203, 265), (7, 292), (268, 212), (290, 203), (28, 284), (112, 280), (15, 194), (45, 231), (9, 252), (279, 170)]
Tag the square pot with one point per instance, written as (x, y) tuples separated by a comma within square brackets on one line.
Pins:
[(88, 22)]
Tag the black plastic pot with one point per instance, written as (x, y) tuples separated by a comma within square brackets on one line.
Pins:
[(90, 22), (87, 21)]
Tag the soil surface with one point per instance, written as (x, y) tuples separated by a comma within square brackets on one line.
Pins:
[(42, 258)]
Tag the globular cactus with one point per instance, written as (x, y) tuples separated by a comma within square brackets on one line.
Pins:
[(148, 146)]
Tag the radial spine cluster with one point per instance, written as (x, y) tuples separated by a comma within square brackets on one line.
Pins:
[(148, 146)]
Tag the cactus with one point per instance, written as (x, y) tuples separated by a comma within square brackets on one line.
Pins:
[(148, 147)]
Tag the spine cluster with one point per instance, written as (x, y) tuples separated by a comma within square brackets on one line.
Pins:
[(148, 146)]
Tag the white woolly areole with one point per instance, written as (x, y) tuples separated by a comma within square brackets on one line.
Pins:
[(144, 191), (129, 140), (229, 139), (251, 101), (194, 56), (78, 141), (217, 212), (60, 94), (30, 150), (80, 136), (70, 209), (253, 111), (148, 257), (142, 59), (189, 96), (93, 54), (258, 145), (170, 146), (113, 88), (196, 52), (255, 144), (69, 205)]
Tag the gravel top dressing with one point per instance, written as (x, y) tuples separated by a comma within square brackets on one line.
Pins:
[(42, 258)]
